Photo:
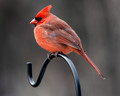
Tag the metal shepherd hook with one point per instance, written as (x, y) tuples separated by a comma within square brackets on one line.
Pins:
[(45, 64)]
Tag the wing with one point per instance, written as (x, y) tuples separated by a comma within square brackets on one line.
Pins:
[(60, 32)]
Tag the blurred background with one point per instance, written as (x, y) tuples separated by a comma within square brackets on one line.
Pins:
[(97, 22)]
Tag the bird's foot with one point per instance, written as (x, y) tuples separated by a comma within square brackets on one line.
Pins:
[(48, 55), (53, 53)]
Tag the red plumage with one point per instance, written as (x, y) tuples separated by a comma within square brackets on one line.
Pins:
[(55, 35)]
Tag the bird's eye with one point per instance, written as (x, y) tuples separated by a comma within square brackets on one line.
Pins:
[(38, 19)]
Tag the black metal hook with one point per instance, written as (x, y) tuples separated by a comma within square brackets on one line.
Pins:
[(45, 64)]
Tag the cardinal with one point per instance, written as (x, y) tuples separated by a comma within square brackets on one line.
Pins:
[(55, 35)]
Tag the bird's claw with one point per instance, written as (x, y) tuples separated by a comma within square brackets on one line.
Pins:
[(48, 55), (54, 53)]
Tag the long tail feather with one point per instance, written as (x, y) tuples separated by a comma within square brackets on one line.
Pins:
[(90, 62)]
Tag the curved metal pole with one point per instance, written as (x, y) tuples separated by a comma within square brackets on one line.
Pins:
[(45, 64)]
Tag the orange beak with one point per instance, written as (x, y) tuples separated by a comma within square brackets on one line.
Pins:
[(34, 21)]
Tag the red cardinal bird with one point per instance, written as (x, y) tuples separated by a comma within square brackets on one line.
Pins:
[(55, 35)]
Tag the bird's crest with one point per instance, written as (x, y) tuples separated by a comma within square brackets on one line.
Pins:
[(44, 11)]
